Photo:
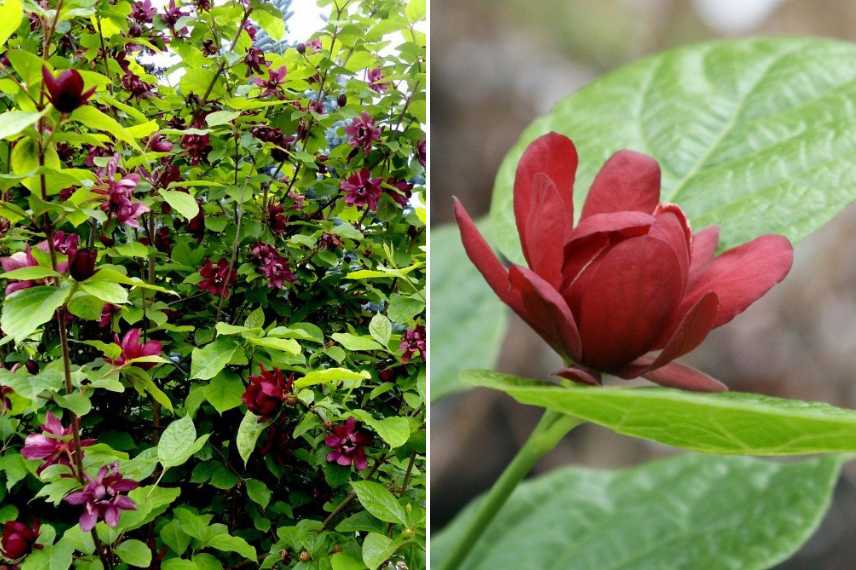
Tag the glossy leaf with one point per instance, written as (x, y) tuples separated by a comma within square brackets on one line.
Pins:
[(753, 135), (467, 320), (184, 203), (378, 501), (135, 553), (724, 423), (249, 430), (13, 122), (176, 442), (691, 511), (27, 310)]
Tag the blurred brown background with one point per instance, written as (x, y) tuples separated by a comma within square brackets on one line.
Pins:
[(498, 64)]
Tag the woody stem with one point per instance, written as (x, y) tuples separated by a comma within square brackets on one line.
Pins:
[(550, 430)]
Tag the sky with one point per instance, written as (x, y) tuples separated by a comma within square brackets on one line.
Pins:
[(305, 20)]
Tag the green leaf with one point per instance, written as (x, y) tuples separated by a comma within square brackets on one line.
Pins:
[(248, 433), (27, 310), (179, 564), (272, 24), (221, 117), (689, 511), (356, 342), (726, 423), (28, 273), (753, 135), (415, 10), (134, 553), (377, 549), (11, 13), (381, 329), (341, 561), (106, 291), (225, 391), (208, 361), (288, 345), (177, 442), (228, 543), (259, 492), (13, 122), (330, 375), (96, 120), (468, 331), (378, 501), (182, 202), (395, 431), (174, 537)]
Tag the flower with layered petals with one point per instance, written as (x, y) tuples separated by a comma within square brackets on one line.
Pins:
[(103, 498), (272, 265), (63, 244), (267, 391), (55, 445), (255, 59), (132, 348), (347, 444), (362, 132), (118, 189), (361, 189), (413, 342), (276, 217), (215, 276), (18, 260), (65, 91), (631, 287), (376, 81), (401, 194), (143, 12), (19, 539), (271, 87)]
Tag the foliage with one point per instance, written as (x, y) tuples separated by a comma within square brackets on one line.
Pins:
[(213, 322)]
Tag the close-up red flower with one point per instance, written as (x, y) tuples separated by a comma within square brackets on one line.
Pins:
[(630, 279), (65, 91)]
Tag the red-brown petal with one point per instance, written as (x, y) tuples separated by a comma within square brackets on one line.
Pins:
[(546, 311), (676, 375), (49, 81), (703, 248), (742, 275), (672, 228), (485, 260), (627, 181), (543, 202), (627, 299)]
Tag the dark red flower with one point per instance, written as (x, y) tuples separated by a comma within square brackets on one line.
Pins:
[(143, 12), (267, 391), (214, 277), (329, 241), (172, 14), (376, 81), (361, 189), (362, 132), (197, 147), (401, 194), (277, 219), (255, 59), (209, 47), (196, 226), (65, 91), (630, 279), (19, 539), (82, 263), (54, 445), (422, 152), (272, 265), (118, 189), (136, 86), (132, 348), (413, 342), (103, 498), (347, 444), (271, 85), (5, 400)]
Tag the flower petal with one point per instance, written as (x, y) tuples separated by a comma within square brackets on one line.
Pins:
[(543, 203), (627, 181), (672, 227), (740, 276), (579, 375), (624, 300), (485, 260), (676, 375), (547, 312), (703, 248)]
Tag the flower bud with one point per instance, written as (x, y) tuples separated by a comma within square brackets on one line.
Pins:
[(19, 539), (32, 366), (66, 90), (342, 100), (82, 265), (301, 48)]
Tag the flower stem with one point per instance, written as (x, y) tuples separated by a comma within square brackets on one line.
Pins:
[(550, 429)]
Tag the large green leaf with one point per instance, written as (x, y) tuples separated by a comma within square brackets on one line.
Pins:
[(726, 423), (691, 511), (467, 320), (753, 135), (24, 311)]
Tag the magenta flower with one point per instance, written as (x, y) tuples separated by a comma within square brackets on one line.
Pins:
[(197, 147), (413, 342), (143, 12), (214, 277), (314, 44), (630, 280), (422, 152), (55, 445), (103, 498), (107, 313), (347, 444), (401, 194), (159, 143), (362, 190), (362, 132), (15, 261), (172, 14), (376, 81), (272, 265), (118, 189), (65, 91), (277, 218), (63, 244), (132, 348), (19, 539), (271, 85), (267, 391), (255, 59)]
